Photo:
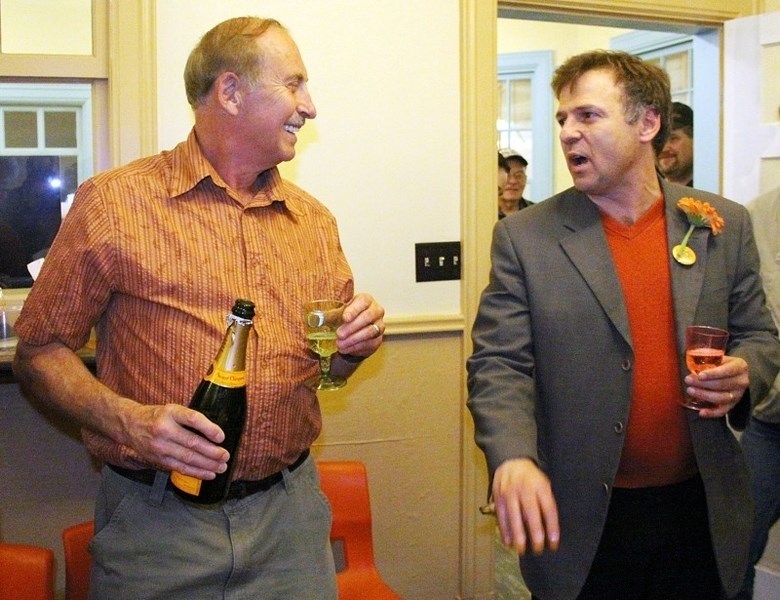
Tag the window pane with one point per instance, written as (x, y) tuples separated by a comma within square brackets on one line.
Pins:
[(521, 102), (60, 128), (503, 109), (677, 67), (33, 191), (21, 129)]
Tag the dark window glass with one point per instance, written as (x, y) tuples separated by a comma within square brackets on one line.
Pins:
[(33, 190)]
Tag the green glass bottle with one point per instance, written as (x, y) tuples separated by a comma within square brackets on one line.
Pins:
[(221, 396)]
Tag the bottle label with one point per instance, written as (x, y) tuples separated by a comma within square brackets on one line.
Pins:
[(228, 379), (186, 483)]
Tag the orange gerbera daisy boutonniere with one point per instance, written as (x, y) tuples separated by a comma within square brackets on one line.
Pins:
[(700, 214)]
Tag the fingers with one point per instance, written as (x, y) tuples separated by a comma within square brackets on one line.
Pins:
[(174, 437), (525, 507), (720, 388), (530, 524), (363, 328), (510, 524), (550, 515)]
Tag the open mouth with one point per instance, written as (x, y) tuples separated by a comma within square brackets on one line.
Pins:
[(577, 160)]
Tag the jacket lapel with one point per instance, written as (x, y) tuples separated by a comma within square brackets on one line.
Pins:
[(586, 246), (687, 281)]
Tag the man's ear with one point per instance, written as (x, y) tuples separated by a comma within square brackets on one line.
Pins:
[(228, 91), (650, 123)]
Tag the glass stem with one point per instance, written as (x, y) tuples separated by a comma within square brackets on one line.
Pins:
[(325, 367)]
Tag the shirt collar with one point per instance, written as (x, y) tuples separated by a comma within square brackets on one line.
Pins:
[(190, 168)]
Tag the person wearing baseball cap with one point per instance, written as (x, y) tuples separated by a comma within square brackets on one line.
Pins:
[(676, 158), (512, 198)]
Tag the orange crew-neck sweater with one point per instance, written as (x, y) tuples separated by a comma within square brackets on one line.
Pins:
[(657, 450)]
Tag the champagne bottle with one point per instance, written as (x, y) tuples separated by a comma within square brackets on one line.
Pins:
[(221, 396)]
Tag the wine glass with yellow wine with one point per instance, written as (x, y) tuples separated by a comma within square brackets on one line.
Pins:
[(322, 318)]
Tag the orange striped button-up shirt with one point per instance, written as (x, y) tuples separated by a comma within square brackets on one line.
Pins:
[(153, 254)]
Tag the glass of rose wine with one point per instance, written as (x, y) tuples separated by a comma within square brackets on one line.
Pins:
[(704, 349), (322, 318)]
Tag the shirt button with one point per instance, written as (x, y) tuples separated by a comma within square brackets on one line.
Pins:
[(626, 364), (618, 427)]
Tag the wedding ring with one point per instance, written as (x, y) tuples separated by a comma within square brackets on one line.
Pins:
[(376, 328)]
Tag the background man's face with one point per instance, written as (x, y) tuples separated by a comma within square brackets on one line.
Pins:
[(676, 158), (515, 184)]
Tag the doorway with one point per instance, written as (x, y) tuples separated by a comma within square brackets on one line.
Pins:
[(562, 38), (477, 223)]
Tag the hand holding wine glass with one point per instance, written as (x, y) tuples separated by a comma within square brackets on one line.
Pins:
[(322, 318), (704, 349)]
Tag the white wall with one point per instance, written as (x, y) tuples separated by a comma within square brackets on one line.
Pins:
[(384, 151)]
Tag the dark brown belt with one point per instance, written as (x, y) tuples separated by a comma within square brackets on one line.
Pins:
[(238, 489)]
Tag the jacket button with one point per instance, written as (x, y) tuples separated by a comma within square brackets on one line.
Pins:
[(626, 364), (618, 427), (605, 487)]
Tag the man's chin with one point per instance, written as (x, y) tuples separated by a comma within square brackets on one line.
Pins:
[(288, 155)]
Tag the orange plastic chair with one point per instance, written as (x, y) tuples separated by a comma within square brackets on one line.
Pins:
[(26, 572), (78, 560), (346, 486)]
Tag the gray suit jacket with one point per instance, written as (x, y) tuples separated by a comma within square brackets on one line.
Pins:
[(551, 372)]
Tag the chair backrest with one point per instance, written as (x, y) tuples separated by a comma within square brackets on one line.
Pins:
[(78, 560), (26, 572), (345, 484)]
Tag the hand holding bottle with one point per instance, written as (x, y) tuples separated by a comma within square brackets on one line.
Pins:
[(164, 436)]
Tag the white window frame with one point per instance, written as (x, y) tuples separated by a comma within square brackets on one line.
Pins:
[(41, 97), (538, 67)]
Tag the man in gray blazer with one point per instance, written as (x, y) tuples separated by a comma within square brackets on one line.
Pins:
[(601, 480)]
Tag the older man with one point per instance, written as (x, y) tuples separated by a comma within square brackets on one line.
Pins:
[(578, 373), (153, 254), (511, 198)]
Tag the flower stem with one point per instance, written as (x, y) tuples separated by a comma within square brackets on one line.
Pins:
[(684, 242)]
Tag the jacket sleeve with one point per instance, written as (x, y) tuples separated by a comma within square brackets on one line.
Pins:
[(500, 370), (753, 333)]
